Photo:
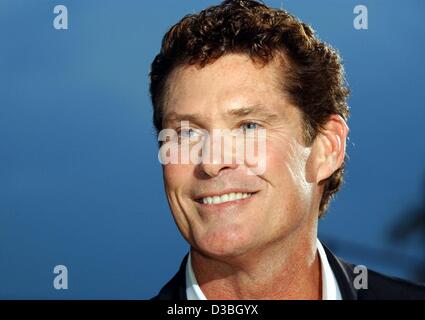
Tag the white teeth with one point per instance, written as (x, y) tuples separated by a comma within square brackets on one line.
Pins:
[(225, 198)]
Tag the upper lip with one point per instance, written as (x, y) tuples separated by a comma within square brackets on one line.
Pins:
[(220, 193)]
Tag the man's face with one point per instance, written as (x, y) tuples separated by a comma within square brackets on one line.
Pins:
[(234, 93)]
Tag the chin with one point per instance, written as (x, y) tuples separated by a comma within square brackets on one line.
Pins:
[(224, 241)]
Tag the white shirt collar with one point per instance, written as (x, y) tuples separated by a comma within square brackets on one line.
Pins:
[(330, 289)]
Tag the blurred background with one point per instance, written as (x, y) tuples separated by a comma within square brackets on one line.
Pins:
[(80, 183)]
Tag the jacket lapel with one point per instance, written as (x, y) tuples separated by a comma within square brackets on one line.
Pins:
[(344, 274)]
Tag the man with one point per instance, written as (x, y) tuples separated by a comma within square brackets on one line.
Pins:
[(245, 67)]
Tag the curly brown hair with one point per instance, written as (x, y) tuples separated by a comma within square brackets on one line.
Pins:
[(314, 73)]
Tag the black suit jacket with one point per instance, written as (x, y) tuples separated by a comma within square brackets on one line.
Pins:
[(380, 287)]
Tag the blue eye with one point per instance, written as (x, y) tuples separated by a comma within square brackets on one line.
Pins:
[(187, 133), (250, 126)]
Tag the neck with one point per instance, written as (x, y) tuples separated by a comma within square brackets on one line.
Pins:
[(287, 269)]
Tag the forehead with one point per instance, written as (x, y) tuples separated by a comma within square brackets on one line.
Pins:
[(231, 81)]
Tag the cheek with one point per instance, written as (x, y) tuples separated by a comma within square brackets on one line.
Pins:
[(177, 179), (286, 170), (176, 176)]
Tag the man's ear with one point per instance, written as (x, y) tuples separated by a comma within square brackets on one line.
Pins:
[(329, 147)]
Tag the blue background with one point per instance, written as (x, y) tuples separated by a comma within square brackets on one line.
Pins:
[(80, 183)]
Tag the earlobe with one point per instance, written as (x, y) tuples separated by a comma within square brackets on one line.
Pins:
[(330, 147)]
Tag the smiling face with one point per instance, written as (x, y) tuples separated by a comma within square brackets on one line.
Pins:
[(221, 209)]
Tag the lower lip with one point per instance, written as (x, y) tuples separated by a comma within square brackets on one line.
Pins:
[(226, 205)]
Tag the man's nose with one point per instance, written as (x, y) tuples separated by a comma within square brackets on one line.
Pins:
[(214, 169), (217, 156)]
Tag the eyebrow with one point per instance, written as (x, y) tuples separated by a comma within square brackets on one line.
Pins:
[(240, 112), (254, 110), (177, 117)]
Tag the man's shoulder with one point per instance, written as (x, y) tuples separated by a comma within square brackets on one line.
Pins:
[(385, 287), (175, 289), (376, 285)]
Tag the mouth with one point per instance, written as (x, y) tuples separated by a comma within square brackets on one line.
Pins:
[(224, 197)]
